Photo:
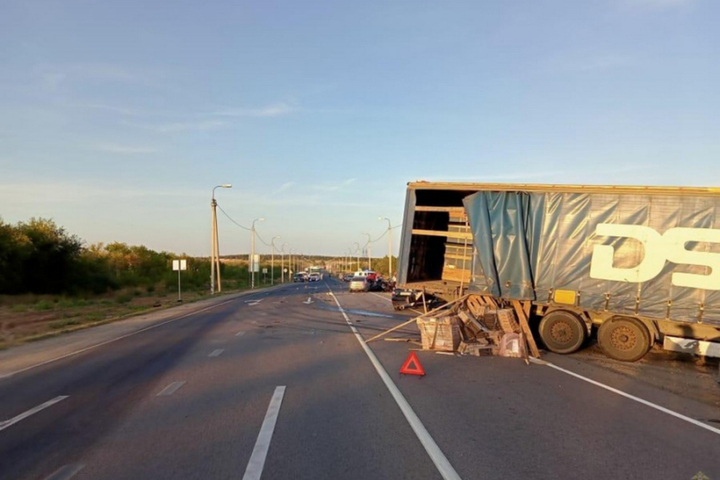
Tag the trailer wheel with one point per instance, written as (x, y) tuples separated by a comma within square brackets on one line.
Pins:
[(562, 331), (625, 339)]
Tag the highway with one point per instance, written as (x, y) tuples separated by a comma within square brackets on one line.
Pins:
[(277, 385)]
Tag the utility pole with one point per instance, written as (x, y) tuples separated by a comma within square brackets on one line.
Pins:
[(282, 263), (272, 260), (389, 234), (215, 244), (368, 251), (252, 254), (357, 251)]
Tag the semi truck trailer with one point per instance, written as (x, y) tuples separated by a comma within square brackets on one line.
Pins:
[(636, 264)]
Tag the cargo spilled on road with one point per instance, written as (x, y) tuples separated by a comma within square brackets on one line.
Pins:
[(636, 264)]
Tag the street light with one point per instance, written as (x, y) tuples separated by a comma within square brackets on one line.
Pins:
[(252, 255), (389, 234), (368, 250), (214, 243), (272, 261)]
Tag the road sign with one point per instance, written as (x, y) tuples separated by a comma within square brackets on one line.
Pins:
[(179, 265), (265, 270), (255, 264)]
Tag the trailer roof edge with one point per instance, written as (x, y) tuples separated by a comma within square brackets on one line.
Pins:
[(533, 187)]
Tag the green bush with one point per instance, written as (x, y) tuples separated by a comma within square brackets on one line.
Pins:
[(43, 305), (64, 323), (124, 298)]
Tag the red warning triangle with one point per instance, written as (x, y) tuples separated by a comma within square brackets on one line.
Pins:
[(415, 369)]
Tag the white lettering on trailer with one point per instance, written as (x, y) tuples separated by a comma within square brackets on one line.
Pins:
[(658, 249)]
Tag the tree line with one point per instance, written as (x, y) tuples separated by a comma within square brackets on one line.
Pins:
[(40, 257)]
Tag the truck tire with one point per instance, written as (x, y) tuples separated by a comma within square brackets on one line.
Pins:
[(562, 331), (625, 339)]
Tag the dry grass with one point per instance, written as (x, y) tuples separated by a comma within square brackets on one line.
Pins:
[(31, 317)]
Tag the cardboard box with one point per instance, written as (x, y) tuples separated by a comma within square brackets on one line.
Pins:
[(440, 333)]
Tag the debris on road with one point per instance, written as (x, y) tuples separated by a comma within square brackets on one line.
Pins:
[(473, 325)]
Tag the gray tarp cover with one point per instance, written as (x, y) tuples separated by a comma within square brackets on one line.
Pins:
[(530, 244)]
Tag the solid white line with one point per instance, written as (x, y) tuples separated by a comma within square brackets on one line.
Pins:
[(380, 296), (170, 389), (24, 415), (631, 397), (113, 340), (262, 445), (436, 455), (240, 334), (216, 353), (66, 472)]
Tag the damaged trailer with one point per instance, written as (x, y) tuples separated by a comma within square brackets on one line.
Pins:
[(640, 264)]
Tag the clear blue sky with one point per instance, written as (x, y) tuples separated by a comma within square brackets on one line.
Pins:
[(118, 117)]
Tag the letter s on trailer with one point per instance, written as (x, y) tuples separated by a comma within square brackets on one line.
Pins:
[(639, 263)]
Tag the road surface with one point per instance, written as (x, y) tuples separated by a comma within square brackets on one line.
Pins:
[(276, 385)]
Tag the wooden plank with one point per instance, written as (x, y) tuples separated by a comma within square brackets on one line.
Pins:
[(525, 326), (443, 233), (427, 208)]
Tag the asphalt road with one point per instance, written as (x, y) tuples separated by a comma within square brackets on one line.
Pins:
[(190, 399)]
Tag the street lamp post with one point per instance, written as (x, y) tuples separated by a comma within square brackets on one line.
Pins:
[(252, 254), (215, 244), (272, 260), (389, 234), (368, 250), (282, 263)]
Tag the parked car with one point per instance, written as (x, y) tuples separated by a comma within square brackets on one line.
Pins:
[(359, 284), (314, 277)]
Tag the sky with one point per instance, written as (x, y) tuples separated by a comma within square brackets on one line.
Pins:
[(117, 118)]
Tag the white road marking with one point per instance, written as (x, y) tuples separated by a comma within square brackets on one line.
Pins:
[(436, 455), (380, 296), (252, 303), (170, 389), (308, 301), (240, 334), (7, 423), (112, 340), (66, 472), (216, 353), (627, 395), (262, 445)]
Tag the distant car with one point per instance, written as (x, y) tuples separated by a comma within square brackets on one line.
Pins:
[(314, 277), (348, 277), (359, 284), (299, 277), (371, 276)]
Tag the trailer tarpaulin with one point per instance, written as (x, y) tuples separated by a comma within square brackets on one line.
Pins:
[(630, 253), (498, 225)]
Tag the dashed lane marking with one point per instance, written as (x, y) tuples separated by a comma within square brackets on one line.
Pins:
[(262, 445), (66, 472), (32, 411), (170, 389), (76, 352), (216, 353)]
